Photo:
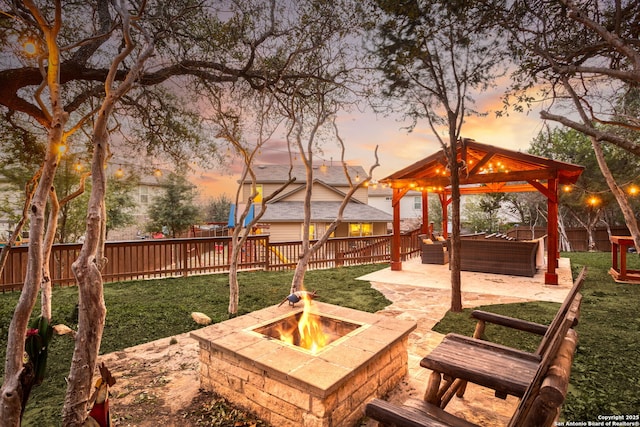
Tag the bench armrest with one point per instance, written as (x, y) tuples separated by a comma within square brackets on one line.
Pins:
[(509, 322)]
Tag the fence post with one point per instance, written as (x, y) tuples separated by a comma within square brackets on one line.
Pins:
[(185, 259)]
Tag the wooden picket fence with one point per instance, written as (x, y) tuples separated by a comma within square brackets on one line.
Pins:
[(159, 258)]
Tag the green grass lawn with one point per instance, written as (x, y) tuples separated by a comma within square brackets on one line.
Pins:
[(606, 371), (142, 311), (605, 377)]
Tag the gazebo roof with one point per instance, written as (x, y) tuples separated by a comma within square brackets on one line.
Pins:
[(497, 168)]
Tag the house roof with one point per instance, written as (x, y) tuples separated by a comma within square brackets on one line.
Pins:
[(323, 212), (330, 175), (492, 166), (301, 188)]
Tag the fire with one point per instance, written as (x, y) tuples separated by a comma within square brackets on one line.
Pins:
[(311, 335), (307, 333)]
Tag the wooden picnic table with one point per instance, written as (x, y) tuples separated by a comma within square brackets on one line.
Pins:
[(619, 272)]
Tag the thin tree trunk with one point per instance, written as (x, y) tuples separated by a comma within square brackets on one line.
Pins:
[(618, 193), (234, 286), (623, 203), (45, 286), (29, 191), (91, 307), (456, 281), (11, 391), (92, 310), (565, 243)]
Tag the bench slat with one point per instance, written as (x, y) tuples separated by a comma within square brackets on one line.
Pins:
[(479, 363), (414, 413)]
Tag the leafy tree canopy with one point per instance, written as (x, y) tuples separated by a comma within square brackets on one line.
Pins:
[(175, 210)]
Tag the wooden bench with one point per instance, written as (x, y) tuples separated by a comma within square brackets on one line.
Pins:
[(540, 378), (540, 403), (459, 358)]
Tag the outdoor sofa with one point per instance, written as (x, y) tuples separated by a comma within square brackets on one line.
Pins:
[(433, 251), (499, 256)]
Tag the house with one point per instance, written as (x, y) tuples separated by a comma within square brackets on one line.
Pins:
[(410, 205), (284, 214)]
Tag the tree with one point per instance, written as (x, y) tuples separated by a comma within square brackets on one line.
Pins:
[(322, 51), (482, 212), (105, 81), (217, 209), (175, 210), (434, 56), (589, 202), (584, 58)]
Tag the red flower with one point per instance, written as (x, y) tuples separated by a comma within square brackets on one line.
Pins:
[(31, 332)]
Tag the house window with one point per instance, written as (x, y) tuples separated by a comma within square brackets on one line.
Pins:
[(144, 195), (417, 203), (317, 230), (258, 198), (359, 229)]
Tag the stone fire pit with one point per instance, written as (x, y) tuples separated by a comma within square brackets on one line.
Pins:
[(243, 360)]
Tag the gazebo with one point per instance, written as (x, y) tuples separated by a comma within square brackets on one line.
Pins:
[(483, 169)]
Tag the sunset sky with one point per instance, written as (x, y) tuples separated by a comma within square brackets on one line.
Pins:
[(397, 148)]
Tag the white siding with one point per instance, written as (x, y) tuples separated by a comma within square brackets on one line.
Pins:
[(407, 206)]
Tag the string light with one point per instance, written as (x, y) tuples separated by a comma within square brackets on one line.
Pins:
[(30, 48), (119, 173)]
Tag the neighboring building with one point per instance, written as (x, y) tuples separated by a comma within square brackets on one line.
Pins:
[(149, 186), (410, 205), (284, 215)]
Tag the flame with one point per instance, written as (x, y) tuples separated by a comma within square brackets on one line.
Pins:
[(310, 335)]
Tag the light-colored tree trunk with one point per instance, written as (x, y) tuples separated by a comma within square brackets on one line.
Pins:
[(618, 193), (45, 286), (592, 131), (11, 393), (91, 307), (309, 250), (92, 310), (565, 243), (52, 227)]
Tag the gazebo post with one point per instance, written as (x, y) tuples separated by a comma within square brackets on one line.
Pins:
[(396, 262), (551, 276), (425, 213)]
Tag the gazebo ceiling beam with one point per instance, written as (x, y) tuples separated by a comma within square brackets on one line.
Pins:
[(487, 157), (503, 188), (485, 178)]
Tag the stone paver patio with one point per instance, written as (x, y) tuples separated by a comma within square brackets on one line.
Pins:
[(419, 293)]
